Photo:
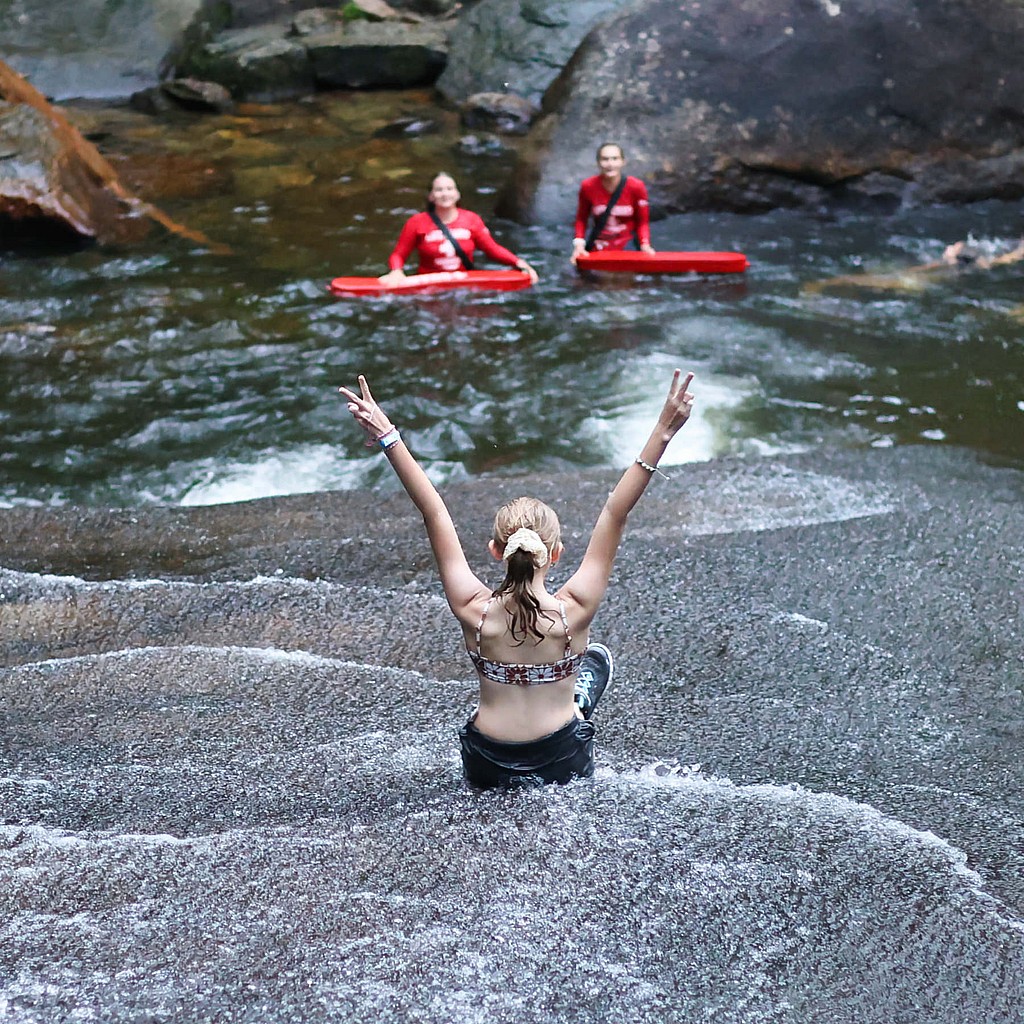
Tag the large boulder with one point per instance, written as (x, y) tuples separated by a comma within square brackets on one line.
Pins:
[(246, 13), (221, 14), (45, 185), (763, 103), (317, 48), (385, 54), (54, 182), (517, 45), (91, 48), (260, 63)]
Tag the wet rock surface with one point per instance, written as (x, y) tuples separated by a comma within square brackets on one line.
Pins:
[(731, 106), (369, 54), (256, 64), (498, 112), (519, 46), (319, 49), (91, 48), (51, 177), (231, 785)]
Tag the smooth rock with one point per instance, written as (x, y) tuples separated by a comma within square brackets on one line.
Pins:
[(317, 20), (378, 55), (232, 786), (517, 45), (193, 94), (44, 180), (258, 64), (91, 49), (499, 112)]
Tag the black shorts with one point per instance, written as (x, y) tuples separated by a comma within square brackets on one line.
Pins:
[(561, 756)]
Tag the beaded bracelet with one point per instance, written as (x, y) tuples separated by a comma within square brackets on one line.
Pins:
[(389, 440), (650, 469)]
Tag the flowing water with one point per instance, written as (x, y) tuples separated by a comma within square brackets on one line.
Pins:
[(240, 800), (165, 373)]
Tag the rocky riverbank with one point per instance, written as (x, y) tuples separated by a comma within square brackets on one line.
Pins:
[(846, 621), (229, 745)]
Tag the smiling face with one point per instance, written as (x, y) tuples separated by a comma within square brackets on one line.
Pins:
[(610, 160), (443, 192)]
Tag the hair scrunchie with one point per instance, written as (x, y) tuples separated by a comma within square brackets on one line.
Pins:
[(525, 539)]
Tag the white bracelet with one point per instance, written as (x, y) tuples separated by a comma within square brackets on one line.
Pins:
[(389, 440), (650, 469)]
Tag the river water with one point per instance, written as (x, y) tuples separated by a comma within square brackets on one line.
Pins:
[(164, 373), (229, 779)]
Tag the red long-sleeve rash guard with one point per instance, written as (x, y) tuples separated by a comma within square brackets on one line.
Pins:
[(436, 252), (630, 215)]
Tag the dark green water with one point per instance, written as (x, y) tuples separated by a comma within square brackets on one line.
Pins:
[(165, 373)]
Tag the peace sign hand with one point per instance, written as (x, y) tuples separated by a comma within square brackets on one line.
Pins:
[(367, 413), (678, 405)]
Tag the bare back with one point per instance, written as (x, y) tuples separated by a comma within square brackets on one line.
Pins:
[(527, 702)]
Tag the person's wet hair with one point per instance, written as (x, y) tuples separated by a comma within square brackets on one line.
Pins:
[(604, 145), (523, 607)]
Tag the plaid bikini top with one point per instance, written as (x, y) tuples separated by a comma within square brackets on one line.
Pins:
[(526, 675)]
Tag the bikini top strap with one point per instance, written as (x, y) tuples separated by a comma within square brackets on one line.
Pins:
[(480, 624), (565, 622)]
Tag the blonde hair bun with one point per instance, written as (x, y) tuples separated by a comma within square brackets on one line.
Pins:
[(529, 541)]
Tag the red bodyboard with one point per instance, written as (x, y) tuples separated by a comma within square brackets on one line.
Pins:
[(422, 284), (665, 262)]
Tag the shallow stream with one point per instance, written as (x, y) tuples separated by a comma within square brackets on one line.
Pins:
[(166, 373)]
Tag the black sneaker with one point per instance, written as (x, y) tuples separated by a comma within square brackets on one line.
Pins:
[(593, 677)]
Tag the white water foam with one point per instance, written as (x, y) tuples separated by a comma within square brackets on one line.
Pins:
[(871, 821), (267, 654), (785, 498)]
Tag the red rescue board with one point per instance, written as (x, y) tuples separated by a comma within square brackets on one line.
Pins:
[(422, 284), (665, 262)]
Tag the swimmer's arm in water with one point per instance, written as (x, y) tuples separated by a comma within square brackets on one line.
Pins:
[(407, 240), (1014, 256), (958, 252), (461, 586), (588, 584), (392, 277)]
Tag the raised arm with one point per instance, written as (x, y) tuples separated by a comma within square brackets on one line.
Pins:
[(588, 584), (461, 585)]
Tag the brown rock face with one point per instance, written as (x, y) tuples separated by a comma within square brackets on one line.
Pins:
[(763, 103), (51, 174), (40, 179)]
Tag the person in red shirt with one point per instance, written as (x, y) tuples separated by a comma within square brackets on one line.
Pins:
[(435, 250), (628, 217)]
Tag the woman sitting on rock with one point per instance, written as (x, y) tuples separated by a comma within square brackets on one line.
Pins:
[(540, 678), (618, 205), (445, 236)]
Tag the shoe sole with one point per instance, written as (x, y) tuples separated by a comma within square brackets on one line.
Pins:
[(594, 646)]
